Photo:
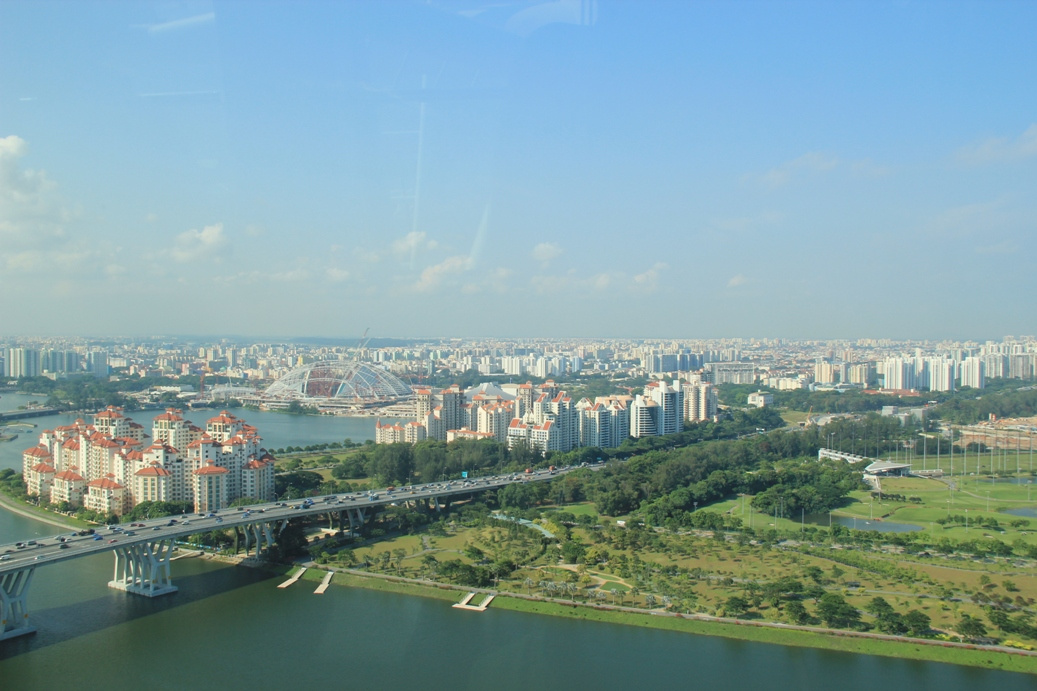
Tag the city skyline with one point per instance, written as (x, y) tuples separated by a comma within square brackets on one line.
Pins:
[(585, 169)]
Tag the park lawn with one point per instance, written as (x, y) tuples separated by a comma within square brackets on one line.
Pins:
[(981, 658), (905, 485), (732, 506), (410, 543), (582, 509), (793, 417), (457, 541), (611, 582), (970, 578)]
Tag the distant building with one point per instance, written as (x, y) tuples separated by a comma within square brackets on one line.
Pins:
[(700, 401), (730, 372), (105, 467), (761, 399)]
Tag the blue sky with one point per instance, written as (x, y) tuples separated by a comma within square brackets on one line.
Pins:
[(567, 168)]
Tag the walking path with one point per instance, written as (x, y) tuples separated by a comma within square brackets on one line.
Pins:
[(19, 508), (700, 617)]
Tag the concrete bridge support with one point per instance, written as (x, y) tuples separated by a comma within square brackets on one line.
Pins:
[(261, 535), (14, 612), (143, 568), (357, 517)]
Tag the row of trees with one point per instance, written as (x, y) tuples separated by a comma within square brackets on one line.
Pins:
[(1001, 397)]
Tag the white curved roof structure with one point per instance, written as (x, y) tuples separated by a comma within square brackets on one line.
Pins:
[(350, 381)]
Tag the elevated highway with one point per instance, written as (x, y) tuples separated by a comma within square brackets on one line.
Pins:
[(143, 549)]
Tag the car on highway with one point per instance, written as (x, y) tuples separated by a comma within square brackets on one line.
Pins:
[(112, 540)]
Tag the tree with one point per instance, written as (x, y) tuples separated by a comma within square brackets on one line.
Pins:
[(998, 618), (796, 612), (969, 627), (735, 606), (878, 607), (398, 555), (836, 613), (917, 623)]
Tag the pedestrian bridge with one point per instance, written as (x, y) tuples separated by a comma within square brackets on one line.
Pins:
[(143, 549)]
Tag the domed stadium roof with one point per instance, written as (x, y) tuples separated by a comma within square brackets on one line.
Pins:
[(351, 381)]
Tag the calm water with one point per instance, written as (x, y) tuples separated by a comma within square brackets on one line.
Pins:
[(862, 524), (278, 430), (231, 627)]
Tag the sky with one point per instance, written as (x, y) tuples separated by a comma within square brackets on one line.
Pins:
[(558, 168)]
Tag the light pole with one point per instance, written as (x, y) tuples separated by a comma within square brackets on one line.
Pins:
[(965, 463)]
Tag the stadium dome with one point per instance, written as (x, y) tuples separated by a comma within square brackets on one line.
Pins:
[(347, 381)]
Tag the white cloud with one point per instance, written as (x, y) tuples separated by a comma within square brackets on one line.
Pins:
[(194, 245), (601, 281), (336, 275), (737, 280), (411, 243), (969, 219), (30, 212), (996, 149), (290, 276), (812, 162), (649, 280), (185, 23), (433, 275), (546, 251), (366, 256)]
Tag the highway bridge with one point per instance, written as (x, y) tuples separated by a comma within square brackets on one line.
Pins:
[(143, 549), (23, 414)]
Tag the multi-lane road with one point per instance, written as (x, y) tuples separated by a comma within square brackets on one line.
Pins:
[(71, 545)]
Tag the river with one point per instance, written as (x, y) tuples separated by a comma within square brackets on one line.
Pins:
[(231, 627)]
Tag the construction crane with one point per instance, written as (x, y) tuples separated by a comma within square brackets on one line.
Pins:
[(201, 382)]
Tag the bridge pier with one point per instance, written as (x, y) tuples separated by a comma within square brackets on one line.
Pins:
[(260, 533), (357, 517), (14, 611), (143, 568)]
